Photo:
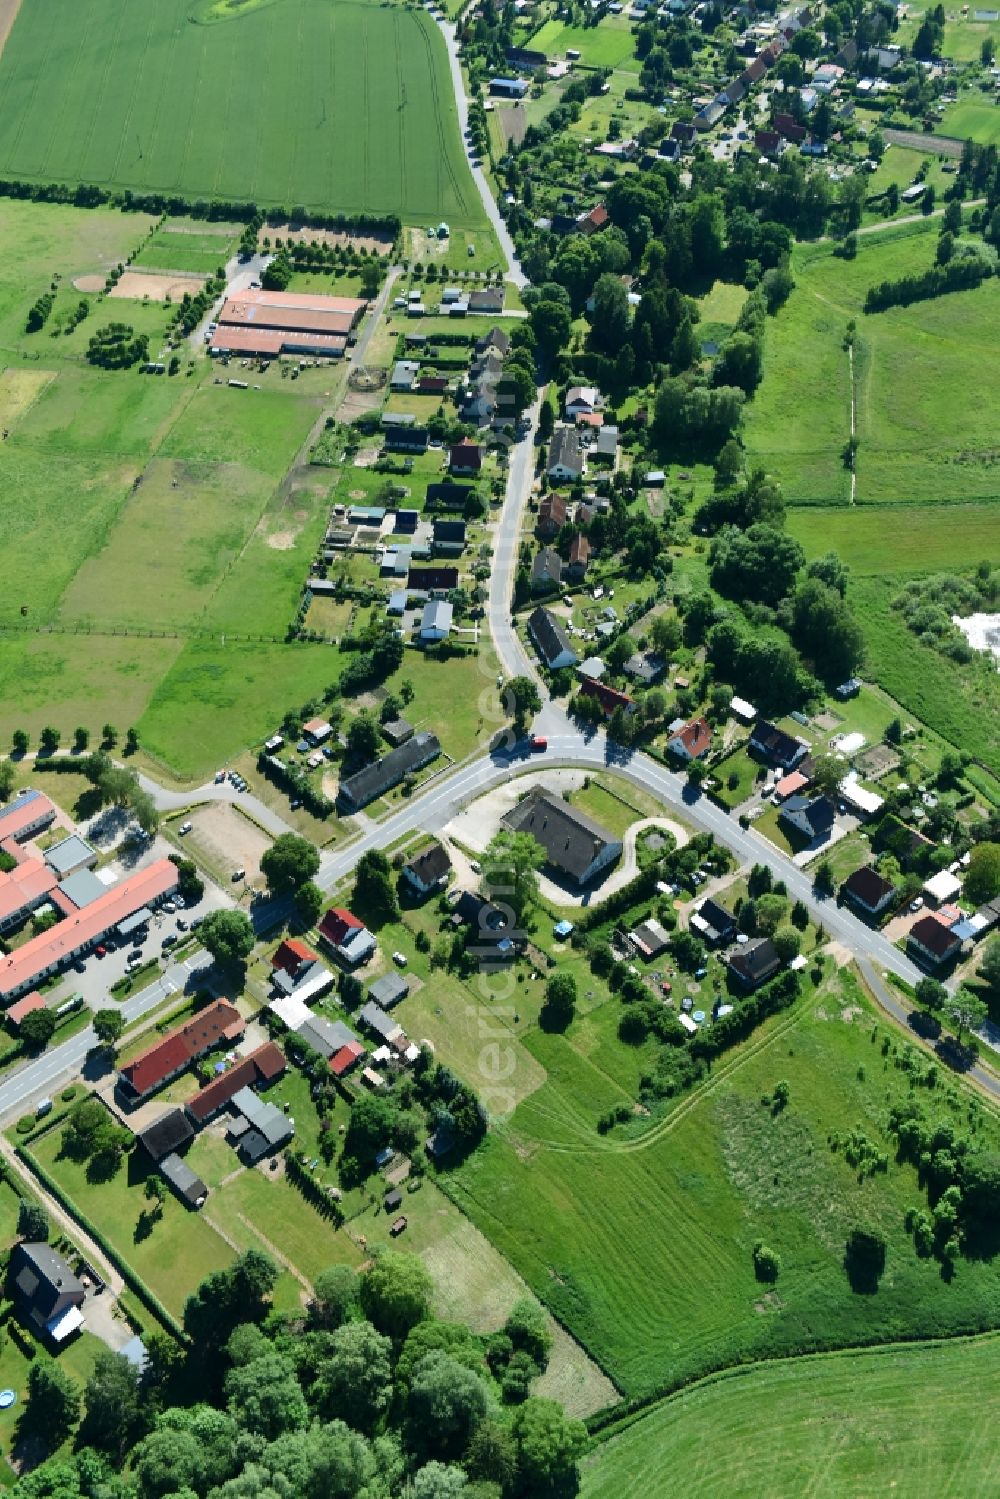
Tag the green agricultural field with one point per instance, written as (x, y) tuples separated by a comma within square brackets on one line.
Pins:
[(186, 249), (935, 538), (973, 118), (605, 46), (642, 1243), (905, 1420), (346, 107), (921, 438)]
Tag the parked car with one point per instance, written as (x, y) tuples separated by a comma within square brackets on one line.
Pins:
[(399, 958), (239, 874), (182, 925), (184, 828), (917, 904), (171, 939), (101, 951)]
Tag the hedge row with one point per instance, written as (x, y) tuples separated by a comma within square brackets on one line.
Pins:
[(958, 275), (311, 1189), (148, 1298)]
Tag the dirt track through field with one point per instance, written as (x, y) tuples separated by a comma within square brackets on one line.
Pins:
[(8, 15)]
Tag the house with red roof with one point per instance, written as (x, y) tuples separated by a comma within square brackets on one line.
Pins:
[(252, 1071), (218, 1024), (347, 1057), (292, 955), (17, 1012), (692, 740), (608, 697), (349, 938)]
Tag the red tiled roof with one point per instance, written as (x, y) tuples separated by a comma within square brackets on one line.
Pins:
[(235, 339), (337, 924), (20, 815), (343, 1060), (84, 927), (24, 886), (608, 697), (262, 1065), (789, 784), (32, 1001), (216, 1023), (579, 551), (695, 736), (292, 954)]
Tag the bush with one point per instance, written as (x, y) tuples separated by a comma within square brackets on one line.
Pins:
[(766, 1264), (68, 1094), (25, 1124)]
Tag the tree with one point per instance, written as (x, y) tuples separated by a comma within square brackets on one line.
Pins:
[(81, 738), (800, 915), (355, 1378), (90, 1133), (528, 1331), (609, 320), (228, 1297), (548, 1445), (131, 741), (552, 325), (827, 773), (53, 1402), (169, 1461), (446, 1403), (864, 1259), (308, 903), (965, 1011), (228, 936), (825, 630), (760, 563), (523, 699), (155, 1193), (32, 1221), (266, 1397), (621, 650), (560, 1002), (665, 634), (396, 1293), (48, 740), (289, 863), (823, 880), (112, 1403), (492, 1455), (37, 1028), (374, 891), (989, 968), (930, 995), (766, 1264), (787, 943), (439, 1481), (109, 736), (19, 742), (982, 879), (108, 1025), (335, 1296), (510, 863), (363, 738)]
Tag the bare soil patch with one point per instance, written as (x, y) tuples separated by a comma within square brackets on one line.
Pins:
[(8, 15), (378, 244), (89, 283), (224, 840), (136, 285)]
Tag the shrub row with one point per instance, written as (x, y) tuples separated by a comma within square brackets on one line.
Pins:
[(301, 1177), (292, 778), (148, 1297), (745, 1016), (958, 275)]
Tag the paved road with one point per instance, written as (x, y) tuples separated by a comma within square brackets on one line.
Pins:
[(901, 1009), (515, 275), (49, 1072), (177, 801), (520, 474)]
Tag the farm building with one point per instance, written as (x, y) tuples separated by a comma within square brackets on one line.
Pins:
[(550, 639), (259, 1067), (265, 324), (219, 1024), (375, 780), (575, 845)]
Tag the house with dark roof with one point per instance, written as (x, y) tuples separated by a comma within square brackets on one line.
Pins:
[(496, 341), (546, 571), (396, 731), (45, 1292), (375, 780), (579, 559), (812, 816), (869, 891), (428, 870), (432, 579), (491, 938), (186, 1183), (389, 990), (575, 845), (712, 921), (448, 496), (755, 963), (645, 667), (466, 457), (565, 456), (775, 745), (487, 300), (692, 740), (171, 1132), (406, 440), (649, 939), (930, 942), (449, 537), (347, 936), (550, 640)]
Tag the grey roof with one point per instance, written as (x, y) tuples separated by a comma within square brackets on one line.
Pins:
[(389, 990), (547, 566), (566, 451), (83, 887), (374, 1017), (362, 787), (325, 1036), (266, 1118), (816, 810), (397, 730), (69, 854), (42, 1276), (166, 1134), (645, 666), (437, 615), (775, 743), (184, 1181), (549, 636), (570, 838), (755, 962), (607, 441)]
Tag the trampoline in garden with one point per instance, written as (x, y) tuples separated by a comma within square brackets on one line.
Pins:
[(7, 1399)]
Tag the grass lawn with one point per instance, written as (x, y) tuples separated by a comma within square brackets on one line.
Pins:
[(973, 118), (642, 1243), (858, 1423), (77, 1361), (921, 440), (615, 805), (603, 46), (180, 1250), (770, 826), (936, 538), (740, 765), (172, 106)]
